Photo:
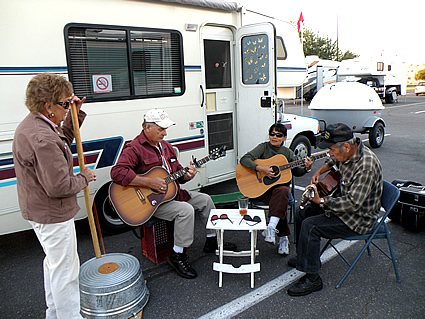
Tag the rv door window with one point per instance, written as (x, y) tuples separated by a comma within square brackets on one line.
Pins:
[(114, 63), (255, 59)]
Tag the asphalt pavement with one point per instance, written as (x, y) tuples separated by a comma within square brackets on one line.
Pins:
[(370, 291)]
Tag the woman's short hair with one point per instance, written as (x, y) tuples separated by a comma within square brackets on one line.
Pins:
[(46, 87), (278, 127)]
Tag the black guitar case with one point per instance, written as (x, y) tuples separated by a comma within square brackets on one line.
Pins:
[(410, 208)]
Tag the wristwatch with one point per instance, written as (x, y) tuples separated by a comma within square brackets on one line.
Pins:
[(322, 202)]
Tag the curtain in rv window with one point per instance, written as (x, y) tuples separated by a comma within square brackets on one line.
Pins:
[(108, 63)]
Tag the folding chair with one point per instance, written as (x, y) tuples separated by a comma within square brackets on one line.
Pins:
[(389, 197)]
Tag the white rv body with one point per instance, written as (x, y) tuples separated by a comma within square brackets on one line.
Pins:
[(387, 75), (37, 37)]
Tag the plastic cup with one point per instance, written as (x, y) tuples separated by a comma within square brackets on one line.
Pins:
[(243, 205)]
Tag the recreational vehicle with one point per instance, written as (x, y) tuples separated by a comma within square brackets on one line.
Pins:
[(219, 70), (387, 76)]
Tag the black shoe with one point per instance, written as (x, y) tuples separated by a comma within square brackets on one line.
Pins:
[(211, 245), (292, 262), (180, 264), (305, 286)]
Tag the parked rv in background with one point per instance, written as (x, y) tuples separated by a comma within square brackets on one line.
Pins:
[(218, 76), (320, 73), (386, 76)]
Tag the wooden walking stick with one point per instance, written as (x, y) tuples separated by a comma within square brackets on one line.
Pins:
[(80, 152)]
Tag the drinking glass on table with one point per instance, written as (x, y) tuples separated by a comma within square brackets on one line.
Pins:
[(243, 205)]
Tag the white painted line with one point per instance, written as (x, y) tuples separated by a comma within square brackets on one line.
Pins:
[(243, 303)]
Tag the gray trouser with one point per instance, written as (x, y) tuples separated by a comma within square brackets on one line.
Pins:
[(183, 214)]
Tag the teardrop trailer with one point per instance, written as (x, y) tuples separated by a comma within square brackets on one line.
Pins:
[(355, 104)]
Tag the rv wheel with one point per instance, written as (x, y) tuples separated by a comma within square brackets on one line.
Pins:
[(301, 146), (109, 221), (376, 135)]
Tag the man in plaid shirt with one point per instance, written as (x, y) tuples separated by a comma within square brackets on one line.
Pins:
[(351, 210)]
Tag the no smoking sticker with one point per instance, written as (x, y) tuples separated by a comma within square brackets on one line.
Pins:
[(102, 83)]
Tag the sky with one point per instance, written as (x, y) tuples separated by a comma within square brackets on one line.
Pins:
[(364, 27)]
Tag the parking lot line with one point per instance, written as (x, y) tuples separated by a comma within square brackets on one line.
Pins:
[(249, 300)]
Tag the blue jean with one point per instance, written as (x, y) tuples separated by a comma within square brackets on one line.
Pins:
[(311, 225)]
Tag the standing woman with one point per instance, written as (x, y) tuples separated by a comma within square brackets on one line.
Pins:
[(276, 197), (47, 186)]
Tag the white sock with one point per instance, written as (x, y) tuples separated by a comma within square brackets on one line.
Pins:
[(273, 221), (178, 249)]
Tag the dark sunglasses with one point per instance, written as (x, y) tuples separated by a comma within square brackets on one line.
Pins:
[(214, 218), (248, 218), (65, 104), (276, 134)]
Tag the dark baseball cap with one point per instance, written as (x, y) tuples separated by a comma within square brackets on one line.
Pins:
[(335, 133)]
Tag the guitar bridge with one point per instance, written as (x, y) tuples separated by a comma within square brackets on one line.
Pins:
[(140, 195)]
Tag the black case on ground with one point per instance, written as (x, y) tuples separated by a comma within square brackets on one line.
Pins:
[(410, 208)]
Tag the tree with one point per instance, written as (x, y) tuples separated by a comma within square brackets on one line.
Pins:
[(420, 75), (324, 48)]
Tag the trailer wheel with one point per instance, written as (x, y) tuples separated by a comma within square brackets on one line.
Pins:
[(301, 146), (109, 221), (376, 135)]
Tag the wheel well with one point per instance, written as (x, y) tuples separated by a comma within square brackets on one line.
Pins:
[(308, 134)]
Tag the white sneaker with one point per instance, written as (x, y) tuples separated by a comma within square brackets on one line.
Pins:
[(283, 248), (270, 234)]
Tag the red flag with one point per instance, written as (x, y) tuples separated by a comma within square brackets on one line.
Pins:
[(301, 19)]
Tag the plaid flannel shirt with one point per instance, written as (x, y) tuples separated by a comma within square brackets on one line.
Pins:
[(358, 201)]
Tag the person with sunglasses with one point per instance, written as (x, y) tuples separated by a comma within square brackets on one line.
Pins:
[(47, 187), (276, 197)]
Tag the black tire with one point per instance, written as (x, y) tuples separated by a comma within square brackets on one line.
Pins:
[(376, 135), (109, 221), (301, 146)]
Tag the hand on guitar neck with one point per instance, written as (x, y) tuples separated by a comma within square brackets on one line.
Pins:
[(316, 191)]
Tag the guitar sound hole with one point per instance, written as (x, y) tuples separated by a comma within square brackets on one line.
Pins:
[(275, 169)]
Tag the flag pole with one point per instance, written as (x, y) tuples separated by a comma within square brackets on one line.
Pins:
[(300, 25)]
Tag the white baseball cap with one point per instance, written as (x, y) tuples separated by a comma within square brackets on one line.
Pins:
[(159, 117)]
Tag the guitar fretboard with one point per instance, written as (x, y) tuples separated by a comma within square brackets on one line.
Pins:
[(172, 177), (301, 161)]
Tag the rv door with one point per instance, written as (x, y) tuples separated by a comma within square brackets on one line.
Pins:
[(255, 83)]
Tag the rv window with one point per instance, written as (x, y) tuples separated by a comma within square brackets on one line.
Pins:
[(380, 66), (114, 63), (255, 59), (280, 49), (217, 64)]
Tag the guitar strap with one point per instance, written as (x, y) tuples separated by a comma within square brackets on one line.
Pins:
[(164, 159)]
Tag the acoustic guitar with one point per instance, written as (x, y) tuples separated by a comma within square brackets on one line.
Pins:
[(135, 205), (253, 184), (325, 187)]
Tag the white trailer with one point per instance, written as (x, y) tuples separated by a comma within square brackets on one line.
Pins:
[(387, 76), (219, 79)]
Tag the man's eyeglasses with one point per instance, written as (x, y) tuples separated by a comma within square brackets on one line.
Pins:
[(248, 218), (65, 104), (215, 218), (276, 134)]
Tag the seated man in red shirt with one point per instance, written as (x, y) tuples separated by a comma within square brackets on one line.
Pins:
[(148, 150)]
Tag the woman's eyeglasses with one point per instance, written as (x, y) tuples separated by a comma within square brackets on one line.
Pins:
[(65, 104), (215, 218), (276, 134), (248, 218)]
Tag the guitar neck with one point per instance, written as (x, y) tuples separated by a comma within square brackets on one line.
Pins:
[(301, 161), (172, 177)]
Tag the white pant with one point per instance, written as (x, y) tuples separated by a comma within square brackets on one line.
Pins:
[(61, 269)]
